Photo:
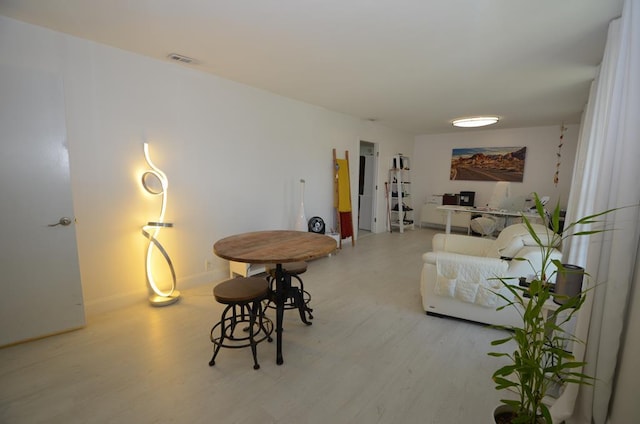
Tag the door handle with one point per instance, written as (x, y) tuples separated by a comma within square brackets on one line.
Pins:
[(64, 221)]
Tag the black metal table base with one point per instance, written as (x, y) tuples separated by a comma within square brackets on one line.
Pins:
[(295, 298)]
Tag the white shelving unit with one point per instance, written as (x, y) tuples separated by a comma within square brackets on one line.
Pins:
[(399, 205)]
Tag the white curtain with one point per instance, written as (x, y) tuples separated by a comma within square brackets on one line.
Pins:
[(606, 176)]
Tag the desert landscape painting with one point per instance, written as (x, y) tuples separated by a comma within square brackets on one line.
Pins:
[(488, 164)]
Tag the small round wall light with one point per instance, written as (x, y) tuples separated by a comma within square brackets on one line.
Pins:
[(475, 121)]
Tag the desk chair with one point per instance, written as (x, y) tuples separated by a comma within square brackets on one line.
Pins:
[(486, 225), (243, 297)]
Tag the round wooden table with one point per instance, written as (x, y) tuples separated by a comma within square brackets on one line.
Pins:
[(277, 247)]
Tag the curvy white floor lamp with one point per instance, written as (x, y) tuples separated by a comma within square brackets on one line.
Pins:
[(156, 183), (301, 220)]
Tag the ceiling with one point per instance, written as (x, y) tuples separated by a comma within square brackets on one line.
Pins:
[(412, 65)]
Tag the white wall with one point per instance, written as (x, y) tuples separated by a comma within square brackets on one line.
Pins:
[(233, 155), (432, 162)]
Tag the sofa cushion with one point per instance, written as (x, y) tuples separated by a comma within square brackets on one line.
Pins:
[(515, 237)]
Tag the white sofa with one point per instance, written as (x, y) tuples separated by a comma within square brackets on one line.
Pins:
[(459, 275)]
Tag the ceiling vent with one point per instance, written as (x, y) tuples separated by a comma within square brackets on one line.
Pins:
[(180, 58)]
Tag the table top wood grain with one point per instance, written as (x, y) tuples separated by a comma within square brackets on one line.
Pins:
[(274, 246)]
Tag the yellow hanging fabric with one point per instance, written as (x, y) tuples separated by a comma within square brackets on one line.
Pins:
[(342, 198), (344, 187)]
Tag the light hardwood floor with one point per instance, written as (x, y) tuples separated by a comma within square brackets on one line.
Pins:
[(371, 356)]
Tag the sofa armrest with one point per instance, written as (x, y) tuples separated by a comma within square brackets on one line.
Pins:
[(458, 243), (463, 260), (532, 259)]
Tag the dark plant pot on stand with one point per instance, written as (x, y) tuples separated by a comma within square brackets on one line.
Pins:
[(568, 283), (503, 414)]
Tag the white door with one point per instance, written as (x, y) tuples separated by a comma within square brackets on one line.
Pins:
[(39, 271)]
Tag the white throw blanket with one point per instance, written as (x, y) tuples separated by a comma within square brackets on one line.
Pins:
[(472, 280)]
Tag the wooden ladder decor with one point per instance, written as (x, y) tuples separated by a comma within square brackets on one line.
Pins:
[(342, 198)]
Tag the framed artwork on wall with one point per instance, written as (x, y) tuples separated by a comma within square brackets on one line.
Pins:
[(488, 164)]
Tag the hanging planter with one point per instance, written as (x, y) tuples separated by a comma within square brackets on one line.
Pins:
[(568, 283), (556, 175)]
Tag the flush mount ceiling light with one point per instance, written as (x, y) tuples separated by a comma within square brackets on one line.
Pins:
[(475, 121)]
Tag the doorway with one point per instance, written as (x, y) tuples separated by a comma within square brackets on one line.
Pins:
[(367, 187)]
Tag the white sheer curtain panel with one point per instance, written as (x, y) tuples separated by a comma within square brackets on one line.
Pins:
[(606, 176)]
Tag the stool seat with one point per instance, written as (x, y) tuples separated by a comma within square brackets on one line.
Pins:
[(231, 291), (244, 312)]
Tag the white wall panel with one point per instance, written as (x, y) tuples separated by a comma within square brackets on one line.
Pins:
[(233, 155), (432, 162)]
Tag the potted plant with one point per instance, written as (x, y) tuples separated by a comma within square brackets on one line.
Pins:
[(539, 358)]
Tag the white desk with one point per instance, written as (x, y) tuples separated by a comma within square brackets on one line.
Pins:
[(484, 211)]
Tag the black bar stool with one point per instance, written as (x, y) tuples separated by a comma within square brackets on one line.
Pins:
[(243, 297), (296, 296)]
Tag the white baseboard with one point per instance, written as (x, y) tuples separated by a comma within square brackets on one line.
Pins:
[(123, 300)]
